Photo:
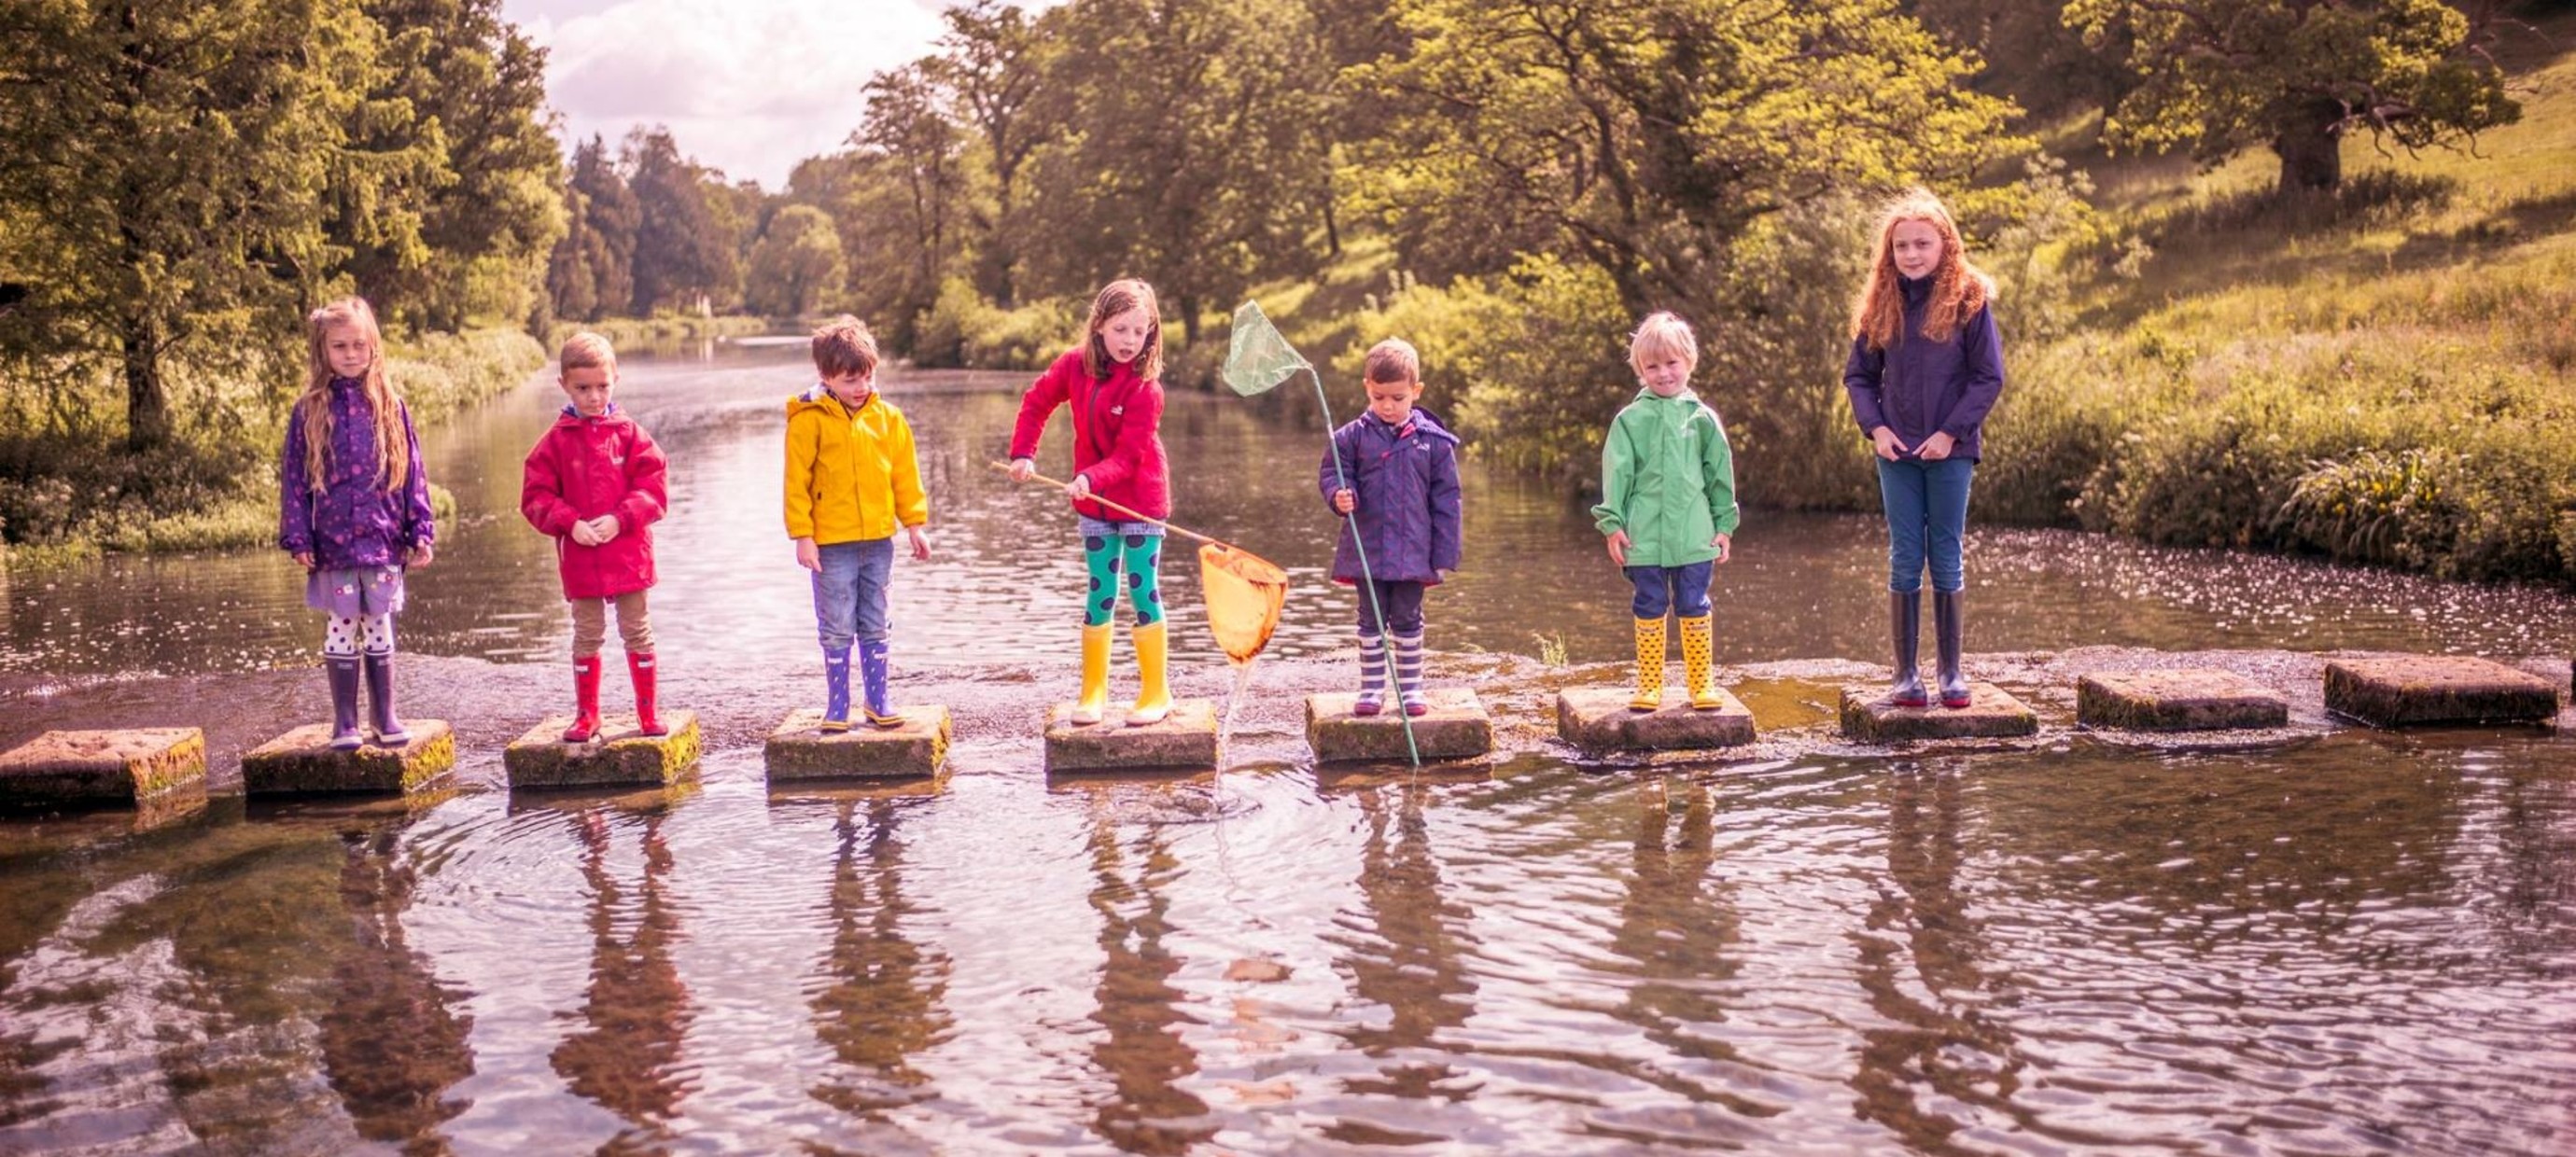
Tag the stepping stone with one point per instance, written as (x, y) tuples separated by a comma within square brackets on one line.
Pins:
[(2198, 699), (1598, 719), (1456, 727), (621, 755), (1186, 738), (2417, 689), (800, 750), (301, 762), (1990, 714), (103, 767)]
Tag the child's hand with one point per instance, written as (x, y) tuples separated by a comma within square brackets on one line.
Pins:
[(1345, 501), (1725, 544), (808, 556), (1889, 445), (604, 528), (1080, 487), (1619, 547), (583, 533), (1022, 469), (303, 558), (1936, 447), (419, 556), (920, 544)]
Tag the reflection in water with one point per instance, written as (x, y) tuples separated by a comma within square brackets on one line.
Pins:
[(1935, 1041), (1417, 969), (636, 1008), (1679, 939), (884, 1000), (1141, 1051), (391, 1041)]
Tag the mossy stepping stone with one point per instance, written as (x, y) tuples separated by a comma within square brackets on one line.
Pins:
[(1991, 713), (2193, 699), (2413, 690), (1598, 719), (302, 762), (1184, 739), (619, 756), (800, 750), (103, 767)]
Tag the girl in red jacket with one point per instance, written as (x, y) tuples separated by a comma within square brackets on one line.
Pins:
[(594, 482), (1114, 385)]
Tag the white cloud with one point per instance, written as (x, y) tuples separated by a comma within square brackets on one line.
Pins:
[(750, 88)]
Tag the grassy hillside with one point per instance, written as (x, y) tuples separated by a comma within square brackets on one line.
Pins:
[(2382, 375)]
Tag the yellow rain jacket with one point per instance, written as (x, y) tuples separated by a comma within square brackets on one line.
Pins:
[(850, 476)]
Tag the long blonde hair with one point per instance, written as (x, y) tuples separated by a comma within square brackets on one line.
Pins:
[(313, 408), (1116, 298), (1959, 288)]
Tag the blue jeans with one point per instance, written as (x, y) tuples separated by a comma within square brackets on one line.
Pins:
[(1927, 516), (1664, 588), (850, 592)]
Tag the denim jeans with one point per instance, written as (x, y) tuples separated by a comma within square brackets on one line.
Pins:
[(850, 592), (1927, 516), (1671, 588)]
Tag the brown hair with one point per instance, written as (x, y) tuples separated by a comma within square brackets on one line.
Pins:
[(1116, 298), (1391, 361), (1959, 288), (1662, 332), (313, 408), (585, 351), (843, 346)]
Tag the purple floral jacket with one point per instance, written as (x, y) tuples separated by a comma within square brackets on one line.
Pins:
[(350, 522)]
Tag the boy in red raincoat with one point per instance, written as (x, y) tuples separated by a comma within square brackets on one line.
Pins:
[(595, 483)]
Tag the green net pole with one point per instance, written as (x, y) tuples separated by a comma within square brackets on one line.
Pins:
[(1367, 583)]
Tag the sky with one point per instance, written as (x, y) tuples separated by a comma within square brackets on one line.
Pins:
[(747, 86)]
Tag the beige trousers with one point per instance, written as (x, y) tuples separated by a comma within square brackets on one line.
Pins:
[(590, 624)]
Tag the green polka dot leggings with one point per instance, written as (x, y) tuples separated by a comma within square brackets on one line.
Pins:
[(1133, 550)]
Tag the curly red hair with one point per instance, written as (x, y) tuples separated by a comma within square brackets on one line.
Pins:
[(1959, 288)]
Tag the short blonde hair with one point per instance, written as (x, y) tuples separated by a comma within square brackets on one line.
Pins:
[(586, 350), (843, 346), (1662, 334), (1393, 360)]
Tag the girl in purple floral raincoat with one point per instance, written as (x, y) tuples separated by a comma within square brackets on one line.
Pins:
[(353, 509)]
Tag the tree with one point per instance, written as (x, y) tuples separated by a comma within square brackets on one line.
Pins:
[(2297, 76), (683, 250), (797, 264), (1648, 138), (597, 252), (991, 66), (908, 131), (1191, 153), (165, 165)]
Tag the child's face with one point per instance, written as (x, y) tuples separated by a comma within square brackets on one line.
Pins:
[(1916, 246), (1392, 402), (588, 387), (852, 388), (1125, 334), (1663, 371), (348, 351)]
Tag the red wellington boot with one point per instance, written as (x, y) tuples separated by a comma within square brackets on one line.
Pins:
[(585, 697), (640, 668)]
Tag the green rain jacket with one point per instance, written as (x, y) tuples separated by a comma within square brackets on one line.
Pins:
[(1668, 479)]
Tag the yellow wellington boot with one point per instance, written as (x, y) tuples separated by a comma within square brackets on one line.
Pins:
[(1095, 675), (1154, 692), (1650, 666), (1697, 658)]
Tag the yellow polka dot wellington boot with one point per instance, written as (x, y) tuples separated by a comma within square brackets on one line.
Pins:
[(1698, 657), (1650, 666)]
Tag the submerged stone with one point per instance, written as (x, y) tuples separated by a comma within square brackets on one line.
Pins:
[(1185, 739), (2420, 689), (1456, 727), (620, 755), (103, 767), (799, 749), (1598, 719), (2193, 699), (301, 762), (1990, 714)]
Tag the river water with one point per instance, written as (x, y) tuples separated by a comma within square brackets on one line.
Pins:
[(2329, 941)]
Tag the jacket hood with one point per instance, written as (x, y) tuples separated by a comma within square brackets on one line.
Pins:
[(821, 397), (571, 415), (1423, 421), (1687, 398)]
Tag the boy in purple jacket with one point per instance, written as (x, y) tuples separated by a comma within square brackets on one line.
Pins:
[(1392, 475)]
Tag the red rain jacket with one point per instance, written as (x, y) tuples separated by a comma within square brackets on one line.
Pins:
[(1117, 442), (587, 467)]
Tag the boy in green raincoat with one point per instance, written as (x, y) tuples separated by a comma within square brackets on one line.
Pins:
[(1668, 506)]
